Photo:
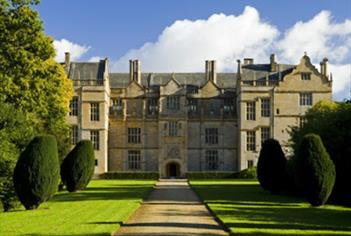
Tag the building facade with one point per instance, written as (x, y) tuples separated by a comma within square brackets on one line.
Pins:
[(173, 123)]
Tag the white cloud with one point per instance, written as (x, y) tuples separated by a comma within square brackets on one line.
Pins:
[(95, 59), (76, 50), (186, 44)]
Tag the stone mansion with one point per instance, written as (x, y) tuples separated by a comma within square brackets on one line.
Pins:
[(173, 123)]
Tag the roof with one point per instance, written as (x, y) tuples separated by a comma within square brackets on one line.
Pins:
[(261, 71), (86, 70)]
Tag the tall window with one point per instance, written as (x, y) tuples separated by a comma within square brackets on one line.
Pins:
[(250, 163), (173, 103), (211, 135), (173, 128), (94, 111), (211, 159), (305, 76), (228, 105), (192, 105), (134, 135), (95, 139), (250, 141), (152, 105), (73, 107), (305, 99), (134, 160), (74, 134), (265, 107), (251, 111), (265, 133), (116, 104)]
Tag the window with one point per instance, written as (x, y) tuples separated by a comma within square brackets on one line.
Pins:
[(265, 107), (173, 128), (152, 105), (305, 99), (74, 134), (192, 105), (251, 111), (95, 139), (250, 163), (134, 135), (265, 133), (305, 76), (211, 135), (134, 162), (73, 107), (228, 105), (96, 162), (211, 159), (117, 104), (302, 121), (94, 111), (250, 141), (173, 103)]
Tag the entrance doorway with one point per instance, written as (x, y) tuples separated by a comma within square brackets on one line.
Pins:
[(173, 170)]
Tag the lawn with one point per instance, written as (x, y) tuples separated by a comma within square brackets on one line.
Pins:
[(98, 210), (248, 210)]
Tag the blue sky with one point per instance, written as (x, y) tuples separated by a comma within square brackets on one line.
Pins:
[(111, 28)]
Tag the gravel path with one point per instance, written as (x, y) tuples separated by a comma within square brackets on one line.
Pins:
[(171, 209)]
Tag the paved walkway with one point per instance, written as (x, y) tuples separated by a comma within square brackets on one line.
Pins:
[(171, 209)]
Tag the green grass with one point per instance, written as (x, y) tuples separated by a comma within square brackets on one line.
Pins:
[(98, 210), (246, 209)]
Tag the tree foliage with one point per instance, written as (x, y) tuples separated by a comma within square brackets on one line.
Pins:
[(36, 175), (314, 170), (78, 167), (30, 79), (332, 122), (271, 166)]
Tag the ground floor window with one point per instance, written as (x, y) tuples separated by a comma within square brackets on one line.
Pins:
[(250, 163), (134, 160), (74, 134), (250, 141), (212, 160), (95, 139)]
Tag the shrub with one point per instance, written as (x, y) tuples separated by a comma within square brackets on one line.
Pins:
[(249, 173), (131, 175), (36, 174), (78, 167), (8, 195), (271, 166), (314, 170)]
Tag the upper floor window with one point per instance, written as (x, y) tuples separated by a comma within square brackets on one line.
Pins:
[(192, 105), (265, 107), (305, 99), (211, 136), (212, 162), (265, 133), (94, 111), (117, 104), (228, 105), (152, 105), (73, 107), (305, 76), (250, 110), (173, 128), (134, 135), (250, 141), (173, 103), (134, 160), (95, 139), (74, 134)]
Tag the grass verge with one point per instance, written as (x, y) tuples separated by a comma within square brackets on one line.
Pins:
[(246, 209)]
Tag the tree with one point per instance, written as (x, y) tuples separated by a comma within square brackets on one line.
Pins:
[(30, 79), (271, 166), (314, 170), (36, 175), (78, 167), (332, 122)]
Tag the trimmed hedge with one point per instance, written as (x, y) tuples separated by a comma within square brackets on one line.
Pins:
[(78, 167), (36, 175), (271, 166), (130, 175), (244, 174), (314, 170)]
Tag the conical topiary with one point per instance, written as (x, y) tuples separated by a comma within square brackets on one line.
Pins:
[(314, 170), (78, 167), (36, 175)]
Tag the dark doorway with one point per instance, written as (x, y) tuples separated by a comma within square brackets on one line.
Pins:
[(173, 170)]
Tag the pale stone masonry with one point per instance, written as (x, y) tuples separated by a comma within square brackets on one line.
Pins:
[(175, 123)]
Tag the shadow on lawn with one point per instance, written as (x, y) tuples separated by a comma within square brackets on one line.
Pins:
[(258, 210), (103, 193)]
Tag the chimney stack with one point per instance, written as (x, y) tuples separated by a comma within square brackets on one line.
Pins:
[(211, 71), (238, 72), (135, 71), (248, 61), (67, 59), (324, 66), (273, 63)]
